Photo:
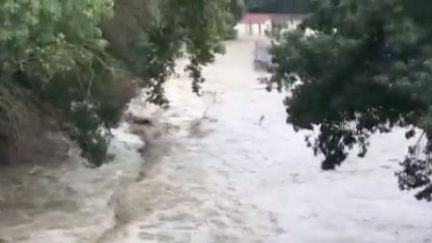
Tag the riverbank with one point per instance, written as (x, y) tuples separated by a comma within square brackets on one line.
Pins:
[(64, 200)]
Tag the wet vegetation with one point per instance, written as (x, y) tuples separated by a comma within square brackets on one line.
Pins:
[(78, 59)]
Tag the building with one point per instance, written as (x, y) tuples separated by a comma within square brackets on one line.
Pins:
[(254, 24), (259, 24)]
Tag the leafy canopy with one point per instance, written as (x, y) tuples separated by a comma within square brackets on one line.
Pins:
[(71, 55), (55, 49), (360, 67)]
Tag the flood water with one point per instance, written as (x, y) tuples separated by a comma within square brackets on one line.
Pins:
[(220, 168)]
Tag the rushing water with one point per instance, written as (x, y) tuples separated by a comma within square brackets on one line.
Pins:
[(221, 168)]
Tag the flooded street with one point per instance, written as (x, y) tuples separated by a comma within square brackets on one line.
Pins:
[(222, 168)]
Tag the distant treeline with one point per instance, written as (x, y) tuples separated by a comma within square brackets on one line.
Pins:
[(278, 6)]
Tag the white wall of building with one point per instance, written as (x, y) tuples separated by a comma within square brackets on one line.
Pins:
[(246, 29)]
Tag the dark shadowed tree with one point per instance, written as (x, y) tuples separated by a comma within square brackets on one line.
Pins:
[(365, 68)]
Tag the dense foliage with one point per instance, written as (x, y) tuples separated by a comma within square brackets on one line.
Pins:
[(365, 68), (73, 56), (178, 27), (55, 49), (197, 28), (278, 6)]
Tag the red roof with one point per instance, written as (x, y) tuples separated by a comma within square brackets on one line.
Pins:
[(256, 18)]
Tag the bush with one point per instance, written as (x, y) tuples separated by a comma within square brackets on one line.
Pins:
[(56, 50)]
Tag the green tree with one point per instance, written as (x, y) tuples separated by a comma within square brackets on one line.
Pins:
[(234, 13), (356, 68), (180, 28), (55, 50), (72, 55)]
